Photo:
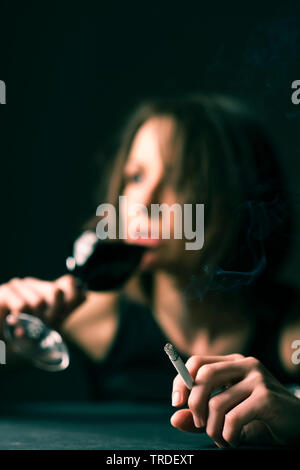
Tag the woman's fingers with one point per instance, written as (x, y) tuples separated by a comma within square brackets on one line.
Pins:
[(239, 417), (32, 300), (74, 295), (256, 432), (214, 372), (208, 378), (49, 300), (183, 420), (62, 296), (180, 391), (11, 300), (225, 427), (73, 290), (221, 404), (53, 296)]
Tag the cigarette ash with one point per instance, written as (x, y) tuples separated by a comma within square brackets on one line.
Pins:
[(171, 351)]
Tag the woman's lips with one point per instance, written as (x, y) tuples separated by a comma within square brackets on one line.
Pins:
[(151, 242)]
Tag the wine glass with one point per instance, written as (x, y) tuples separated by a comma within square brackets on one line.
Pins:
[(32, 339), (100, 265)]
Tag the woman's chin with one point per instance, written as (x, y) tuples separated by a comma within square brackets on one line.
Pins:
[(153, 260), (161, 256)]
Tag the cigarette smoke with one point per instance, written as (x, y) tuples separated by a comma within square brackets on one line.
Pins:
[(263, 219)]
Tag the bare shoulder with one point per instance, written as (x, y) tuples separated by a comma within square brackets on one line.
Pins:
[(93, 324)]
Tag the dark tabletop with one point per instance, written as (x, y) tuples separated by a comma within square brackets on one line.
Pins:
[(89, 425)]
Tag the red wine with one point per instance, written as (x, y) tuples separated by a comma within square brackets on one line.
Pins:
[(103, 264)]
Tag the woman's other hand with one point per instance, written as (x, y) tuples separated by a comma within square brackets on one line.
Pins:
[(52, 301)]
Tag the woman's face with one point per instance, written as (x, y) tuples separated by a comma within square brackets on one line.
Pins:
[(146, 182)]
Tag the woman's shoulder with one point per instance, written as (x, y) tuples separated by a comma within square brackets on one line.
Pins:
[(289, 338), (277, 324)]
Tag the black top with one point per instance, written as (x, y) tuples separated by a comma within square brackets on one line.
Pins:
[(136, 367)]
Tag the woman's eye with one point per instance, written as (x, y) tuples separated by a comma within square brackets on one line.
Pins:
[(134, 178)]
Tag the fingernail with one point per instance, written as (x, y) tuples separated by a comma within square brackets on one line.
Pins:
[(197, 422), (176, 399), (11, 319)]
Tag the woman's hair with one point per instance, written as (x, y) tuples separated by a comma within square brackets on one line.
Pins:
[(222, 158)]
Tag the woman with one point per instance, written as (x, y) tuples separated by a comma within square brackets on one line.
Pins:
[(220, 305)]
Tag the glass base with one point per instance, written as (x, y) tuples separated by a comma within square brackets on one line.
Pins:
[(30, 338)]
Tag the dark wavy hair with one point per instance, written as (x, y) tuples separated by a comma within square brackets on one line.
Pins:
[(222, 157)]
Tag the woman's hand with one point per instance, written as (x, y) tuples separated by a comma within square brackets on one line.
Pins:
[(253, 409), (50, 300)]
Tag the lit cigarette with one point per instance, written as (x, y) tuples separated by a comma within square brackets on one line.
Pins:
[(179, 365), (182, 370)]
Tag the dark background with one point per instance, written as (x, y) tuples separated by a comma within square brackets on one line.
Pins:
[(73, 71)]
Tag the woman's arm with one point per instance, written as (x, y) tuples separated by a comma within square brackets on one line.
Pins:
[(92, 326), (88, 319)]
